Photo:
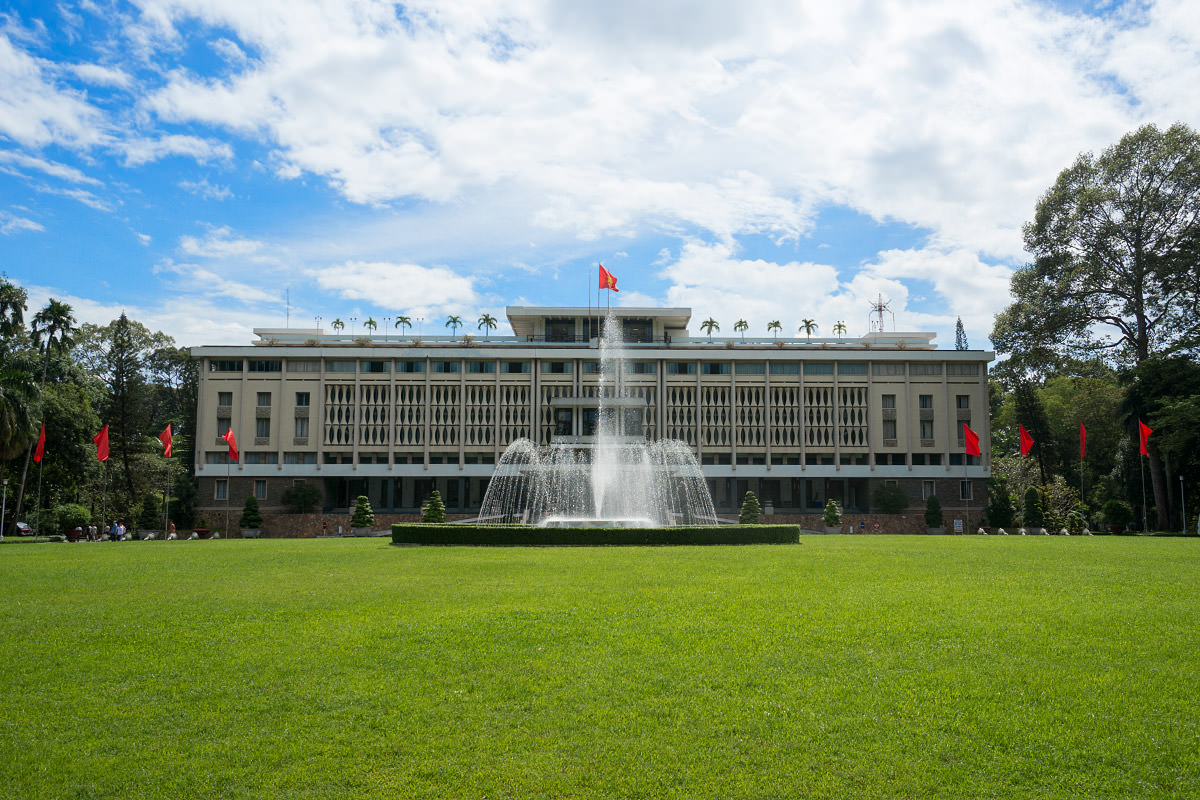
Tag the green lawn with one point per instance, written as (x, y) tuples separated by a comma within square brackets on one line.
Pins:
[(843, 667)]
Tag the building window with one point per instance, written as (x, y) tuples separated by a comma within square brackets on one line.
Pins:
[(220, 490), (963, 370), (889, 429), (446, 366), (264, 399), (260, 458), (264, 365), (785, 368), (481, 367), (926, 429), (846, 368), (223, 424), (260, 490), (962, 401), (751, 368), (374, 366), (715, 368), (927, 490), (225, 365), (564, 422), (304, 366), (516, 367), (889, 401), (556, 367), (924, 369), (818, 369), (964, 490), (299, 458), (262, 427), (301, 426), (887, 369), (639, 367), (302, 399), (410, 366), (681, 367), (591, 417), (216, 457), (926, 401), (591, 368), (224, 398), (339, 366)]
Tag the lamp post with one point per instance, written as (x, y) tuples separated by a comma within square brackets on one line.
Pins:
[(3, 509)]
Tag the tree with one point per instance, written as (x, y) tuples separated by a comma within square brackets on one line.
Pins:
[(740, 327), (488, 322), (403, 321), (933, 512), (337, 325), (371, 323), (1000, 511), (302, 497), (774, 327), (1116, 269), (709, 325), (889, 498), (435, 511), (251, 517), (839, 328), (808, 326), (13, 300), (453, 322), (1032, 515), (1032, 415), (960, 336), (748, 515), (832, 515), (363, 516), (149, 517)]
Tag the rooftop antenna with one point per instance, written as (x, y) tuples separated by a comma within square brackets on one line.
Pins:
[(879, 307)]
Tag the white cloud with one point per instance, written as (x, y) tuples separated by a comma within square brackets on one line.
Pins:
[(98, 75), (35, 112), (11, 223), (52, 168), (78, 195), (411, 288), (139, 151), (209, 191), (220, 243)]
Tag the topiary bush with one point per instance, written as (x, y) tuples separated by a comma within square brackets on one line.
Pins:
[(363, 516), (435, 511), (750, 510), (832, 515), (933, 512), (150, 517), (1000, 511), (69, 516), (302, 497), (1118, 513), (1032, 515), (251, 516), (889, 498)]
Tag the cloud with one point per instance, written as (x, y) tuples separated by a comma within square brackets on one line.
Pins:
[(220, 243), (193, 279), (98, 75), (36, 112), (138, 151), (51, 168), (400, 287), (209, 191), (10, 224), (78, 195)]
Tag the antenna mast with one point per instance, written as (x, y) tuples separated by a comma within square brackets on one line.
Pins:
[(878, 308)]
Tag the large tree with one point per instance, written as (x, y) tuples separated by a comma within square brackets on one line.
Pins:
[(1116, 262)]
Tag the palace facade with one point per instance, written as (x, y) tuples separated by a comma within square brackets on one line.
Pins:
[(392, 417)]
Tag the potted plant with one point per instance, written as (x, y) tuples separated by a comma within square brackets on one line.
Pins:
[(435, 510), (933, 516), (1032, 514), (831, 517), (1118, 514), (251, 521), (750, 510), (363, 519)]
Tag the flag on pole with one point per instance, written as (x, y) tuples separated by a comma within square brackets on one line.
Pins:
[(1026, 440), (608, 280), (1082, 442), (41, 445), (101, 440), (1144, 431), (165, 438), (972, 440), (233, 451)]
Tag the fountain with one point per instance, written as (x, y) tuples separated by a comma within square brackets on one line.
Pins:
[(620, 481)]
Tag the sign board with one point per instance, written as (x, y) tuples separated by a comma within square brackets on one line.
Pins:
[(958, 526)]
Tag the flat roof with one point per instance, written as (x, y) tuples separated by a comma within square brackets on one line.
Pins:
[(522, 317)]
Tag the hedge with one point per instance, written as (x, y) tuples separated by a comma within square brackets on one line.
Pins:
[(517, 535)]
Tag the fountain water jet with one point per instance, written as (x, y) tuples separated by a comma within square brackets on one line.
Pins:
[(621, 481)]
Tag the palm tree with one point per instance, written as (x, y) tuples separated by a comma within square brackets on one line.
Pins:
[(709, 325), (839, 328), (12, 308), (773, 327), (453, 322), (338, 325), (808, 326), (370, 323), (405, 321), (18, 425), (487, 321), (740, 326)]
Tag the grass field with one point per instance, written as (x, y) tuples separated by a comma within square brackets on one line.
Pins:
[(842, 667)]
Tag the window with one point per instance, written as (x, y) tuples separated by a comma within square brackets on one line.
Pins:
[(560, 330), (640, 367), (591, 417), (301, 426), (516, 367), (887, 369), (964, 490), (956, 460), (563, 422), (681, 367), (818, 369), (846, 368), (264, 399), (926, 401), (714, 368), (918, 459), (753, 368), (935, 459), (262, 428), (591, 368), (927, 490), (260, 490), (224, 398), (223, 424), (481, 367), (924, 369), (220, 490), (446, 367), (410, 366), (963, 370), (216, 457), (302, 399), (785, 368), (962, 401), (926, 429), (889, 429), (260, 458), (264, 365), (225, 365), (556, 367), (891, 483), (339, 366), (299, 458), (304, 366), (889, 401), (375, 366)]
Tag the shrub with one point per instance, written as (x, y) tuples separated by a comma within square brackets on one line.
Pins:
[(1118, 512), (302, 497), (435, 511), (1031, 514), (150, 517), (750, 510), (363, 516), (889, 498), (71, 515), (832, 515), (933, 512), (251, 516), (526, 535), (1000, 511)]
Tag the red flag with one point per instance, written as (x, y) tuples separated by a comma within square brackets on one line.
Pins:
[(41, 445), (165, 438), (101, 440), (608, 280), (233, 451), (972, 440), (1026, 440), (1145, 432), (1082, 442)]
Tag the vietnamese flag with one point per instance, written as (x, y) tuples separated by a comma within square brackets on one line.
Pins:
[(1026, 440), (972, 440), (101, 440), (608, 280), (1082, 442), (233, 451), (1145, 432), (41, 445), (165, 438)]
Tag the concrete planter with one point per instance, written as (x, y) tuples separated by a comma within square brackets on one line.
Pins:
[(935, 531), (833, 529), (251, 533), (361, 531)]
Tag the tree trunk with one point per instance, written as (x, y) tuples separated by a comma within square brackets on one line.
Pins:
[(1159, 487)]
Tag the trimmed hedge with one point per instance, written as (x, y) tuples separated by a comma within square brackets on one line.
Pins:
[(527, 535)]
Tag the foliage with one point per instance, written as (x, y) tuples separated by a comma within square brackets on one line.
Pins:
[(150, 516), (774, 327), (960, 336), (532, 536), (933, 512), (889, 498), (709, 325), (363, 516), (808, 326), (487, 323), (839, 328), (741, 326), (1031, 509), (1118, 512), (749, 513), (1000, 511), (435, 509), (832, 515), (69, 516), (454, 322), (302, 497), (251, 516)]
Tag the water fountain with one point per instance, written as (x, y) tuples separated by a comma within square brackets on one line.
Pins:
[(619, 481)]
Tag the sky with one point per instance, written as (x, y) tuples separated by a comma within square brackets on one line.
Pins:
[(214, 166)]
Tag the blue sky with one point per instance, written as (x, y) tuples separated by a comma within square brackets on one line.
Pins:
[(193, 162)]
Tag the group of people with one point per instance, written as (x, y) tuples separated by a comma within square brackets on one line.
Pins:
[(116, 532)]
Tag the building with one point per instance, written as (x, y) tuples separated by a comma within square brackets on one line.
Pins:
[(392, 417)]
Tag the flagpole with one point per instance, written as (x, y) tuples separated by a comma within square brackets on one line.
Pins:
[(228, 491), (38, 516), (1142, 469)]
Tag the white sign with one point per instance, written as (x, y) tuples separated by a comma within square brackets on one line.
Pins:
[(958, 526)]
